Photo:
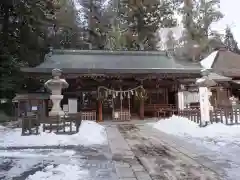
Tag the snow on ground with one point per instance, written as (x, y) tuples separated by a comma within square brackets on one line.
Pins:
[(40, 153), (220, 142), (181, 126), (90, 133), (60, 172)]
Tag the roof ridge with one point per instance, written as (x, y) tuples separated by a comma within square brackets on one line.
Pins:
[(108, 52)]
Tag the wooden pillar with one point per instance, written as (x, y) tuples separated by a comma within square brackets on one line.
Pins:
[(17, 110), (141, 109), (99, 119)]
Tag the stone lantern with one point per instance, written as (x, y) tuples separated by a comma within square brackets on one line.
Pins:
[(55, 85), (233, 101), (205, 106)]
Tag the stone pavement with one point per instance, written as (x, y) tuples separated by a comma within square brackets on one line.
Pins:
[(19, 164), (140, 153)]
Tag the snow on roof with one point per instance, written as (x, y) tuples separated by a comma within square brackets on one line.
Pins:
[(209, 60)]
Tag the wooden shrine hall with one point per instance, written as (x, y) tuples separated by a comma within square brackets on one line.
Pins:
[(113, 85)]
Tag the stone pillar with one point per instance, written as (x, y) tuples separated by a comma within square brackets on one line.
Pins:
[(205, 105), (233, 101), (180, 100), (56, 108), (180, 97)]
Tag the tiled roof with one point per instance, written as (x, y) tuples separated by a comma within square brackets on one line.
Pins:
[(89, 61)]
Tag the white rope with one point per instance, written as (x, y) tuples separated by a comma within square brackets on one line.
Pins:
[(122, 93), (119, 91)]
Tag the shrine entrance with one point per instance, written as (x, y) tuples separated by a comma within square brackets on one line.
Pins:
[(107, 108), (117, 104)]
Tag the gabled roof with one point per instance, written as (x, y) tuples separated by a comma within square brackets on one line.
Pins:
[(209, 60), (31, 96), (95, 61), (223, 62)]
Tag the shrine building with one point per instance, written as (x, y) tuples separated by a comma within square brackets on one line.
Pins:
[(117, 85)]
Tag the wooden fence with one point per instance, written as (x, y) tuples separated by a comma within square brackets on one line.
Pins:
[(122, 116), (192, 114), (61, 125), (228, 116), (30, 125), (88, 115)]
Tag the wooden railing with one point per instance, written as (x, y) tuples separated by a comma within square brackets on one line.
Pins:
[(123, 115), (30, 125), (192, 114), (159, 110), (68, 124), (88, 115), (226, 115)]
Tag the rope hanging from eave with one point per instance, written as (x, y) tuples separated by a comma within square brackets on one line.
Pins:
[(120, 91)]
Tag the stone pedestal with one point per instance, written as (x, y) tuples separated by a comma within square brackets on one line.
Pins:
[(56, 108), (55, 85)]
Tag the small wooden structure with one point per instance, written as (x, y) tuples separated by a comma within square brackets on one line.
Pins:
[(31, 104)]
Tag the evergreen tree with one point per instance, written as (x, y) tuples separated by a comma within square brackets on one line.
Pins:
[(26, 34), (97, 17), (171, 42), (142, 19), (230, 42), (198, 17)]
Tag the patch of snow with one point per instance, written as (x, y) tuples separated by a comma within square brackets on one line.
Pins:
[(220, 142), (208, 61), (28, 153), (60, 172), (184, 127), (2, 128), (19, 166), (90, 133)]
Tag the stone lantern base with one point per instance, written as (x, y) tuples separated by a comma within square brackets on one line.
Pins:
[(56, 108)]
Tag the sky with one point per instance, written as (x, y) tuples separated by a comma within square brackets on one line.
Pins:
[(231, 11)]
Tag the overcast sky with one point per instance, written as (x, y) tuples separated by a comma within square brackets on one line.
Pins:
[(231, 11)]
